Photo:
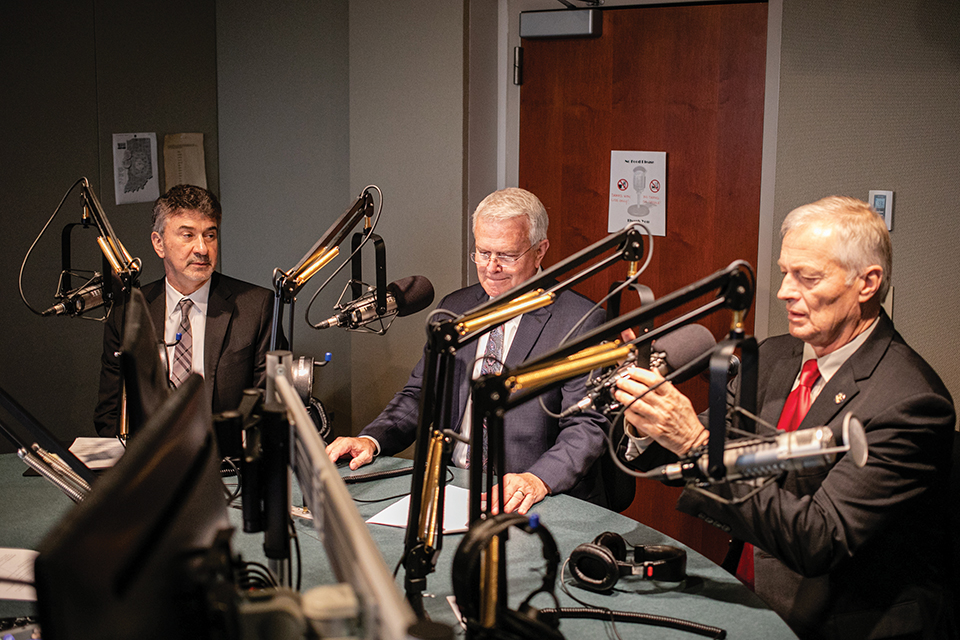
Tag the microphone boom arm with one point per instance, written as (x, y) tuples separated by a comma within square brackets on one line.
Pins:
[(126, 268), (495, 394), (288, 283)]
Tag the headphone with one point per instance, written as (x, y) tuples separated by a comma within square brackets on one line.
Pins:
[(525, 622), (598, 565)]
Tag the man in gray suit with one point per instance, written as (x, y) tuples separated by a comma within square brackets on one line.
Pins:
[(838, 551), (228, 322), (544, 454)]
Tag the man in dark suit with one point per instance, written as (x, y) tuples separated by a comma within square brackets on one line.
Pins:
[(838, 551), (544, 454), (229, 320)]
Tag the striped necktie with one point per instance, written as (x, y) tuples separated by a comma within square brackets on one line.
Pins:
[(183, 353)]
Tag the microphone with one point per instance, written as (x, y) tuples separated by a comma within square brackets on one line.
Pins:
[(677, 356), (788, 451), (689, 348), (404, 297), (76, 302)]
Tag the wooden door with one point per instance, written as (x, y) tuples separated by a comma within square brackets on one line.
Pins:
[(687, 80)]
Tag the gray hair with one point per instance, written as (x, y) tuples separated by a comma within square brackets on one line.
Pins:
[(862, 236), (515, 203), (185, 197)]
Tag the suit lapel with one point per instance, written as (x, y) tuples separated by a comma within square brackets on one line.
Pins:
[(531, 326), (220, 306), (778, 384), (843, 386), (155, 294), (464, 361)]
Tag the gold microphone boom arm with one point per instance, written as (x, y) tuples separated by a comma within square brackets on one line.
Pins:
[(126, 268)]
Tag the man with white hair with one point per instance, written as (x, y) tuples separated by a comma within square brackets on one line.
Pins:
[(544, 454), (838, 551)]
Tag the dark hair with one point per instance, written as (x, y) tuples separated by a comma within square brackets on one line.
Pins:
[(185, 197)]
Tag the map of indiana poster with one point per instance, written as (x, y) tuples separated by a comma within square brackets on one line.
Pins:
[(135, 172)]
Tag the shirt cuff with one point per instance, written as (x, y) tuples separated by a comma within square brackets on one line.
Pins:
[(375, 443), (636, 446)]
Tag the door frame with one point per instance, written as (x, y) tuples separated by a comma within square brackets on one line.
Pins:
[(508, 126)]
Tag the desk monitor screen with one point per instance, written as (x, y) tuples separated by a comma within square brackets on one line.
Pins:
[(144, 373), (118, 565), (352, 553), (23, 430)]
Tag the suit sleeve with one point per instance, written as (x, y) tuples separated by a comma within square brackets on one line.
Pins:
[(580, 438), (395, 428), (263, 342), (814, 531), (105, 414)]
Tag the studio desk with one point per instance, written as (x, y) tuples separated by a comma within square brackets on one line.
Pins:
[(30, 506)]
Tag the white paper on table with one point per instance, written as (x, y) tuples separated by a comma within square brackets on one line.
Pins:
[(456, 511), (17, 564), (97, 453)]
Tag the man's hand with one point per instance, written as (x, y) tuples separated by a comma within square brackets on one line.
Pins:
[(361, 450), (521, 491), (664, 414)]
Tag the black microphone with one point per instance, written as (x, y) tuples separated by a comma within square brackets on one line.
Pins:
[(757, 458), (687, 349), (405, 296), (690, 347), (76, 302)]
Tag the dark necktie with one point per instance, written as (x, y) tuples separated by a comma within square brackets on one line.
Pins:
[(492, 364), (794, 410), (183, 353)]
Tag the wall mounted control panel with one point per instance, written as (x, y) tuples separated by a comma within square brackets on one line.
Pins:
[(882, 203)]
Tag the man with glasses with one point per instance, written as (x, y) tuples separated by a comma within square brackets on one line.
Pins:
[(544, 454)]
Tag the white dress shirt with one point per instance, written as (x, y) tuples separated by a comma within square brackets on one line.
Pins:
[(198, 322)]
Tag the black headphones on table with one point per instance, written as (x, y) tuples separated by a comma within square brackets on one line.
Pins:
[(598, 565)]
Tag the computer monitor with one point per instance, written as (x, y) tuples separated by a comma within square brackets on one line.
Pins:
[(141, 364), (23, 430), (353, 555), (122, 563)]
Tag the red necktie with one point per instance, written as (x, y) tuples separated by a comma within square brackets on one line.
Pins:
[(798, 402), (794, 410)]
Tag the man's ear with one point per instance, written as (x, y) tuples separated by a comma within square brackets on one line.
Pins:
[(872, 277), (542, 250), (157, 241)]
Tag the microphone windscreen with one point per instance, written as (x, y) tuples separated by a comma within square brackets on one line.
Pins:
[(684, 345), (413, 294)]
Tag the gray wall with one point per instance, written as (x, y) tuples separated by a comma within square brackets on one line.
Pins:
[(407, 128), (318, 101), (74, 73), (282, 76), (870, 99)]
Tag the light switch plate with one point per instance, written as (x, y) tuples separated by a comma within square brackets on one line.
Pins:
[(882, 203)]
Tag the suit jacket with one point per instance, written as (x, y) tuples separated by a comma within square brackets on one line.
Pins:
[(235, 344), (562, 453), (848, 552)]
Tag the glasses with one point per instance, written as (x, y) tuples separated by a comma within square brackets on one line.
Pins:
[(484, 257)]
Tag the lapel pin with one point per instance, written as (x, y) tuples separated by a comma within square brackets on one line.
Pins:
[(840, 397)]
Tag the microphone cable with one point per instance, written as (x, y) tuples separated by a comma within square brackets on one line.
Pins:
[(626, 283), (592, 612), (34, 244)]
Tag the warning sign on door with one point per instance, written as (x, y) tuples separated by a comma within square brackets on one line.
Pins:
[(638, 190)]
